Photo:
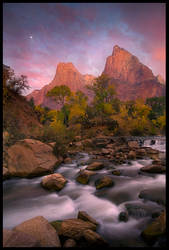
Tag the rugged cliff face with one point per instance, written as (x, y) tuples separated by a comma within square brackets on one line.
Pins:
[(66, 74), (131, 78)]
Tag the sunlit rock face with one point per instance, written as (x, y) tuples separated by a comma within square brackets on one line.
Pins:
[(132, 78), (66, 74), (160, 79)]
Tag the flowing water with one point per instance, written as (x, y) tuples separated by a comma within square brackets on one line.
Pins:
[(25, 198)]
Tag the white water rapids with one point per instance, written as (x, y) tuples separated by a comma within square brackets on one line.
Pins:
[(25, 198)]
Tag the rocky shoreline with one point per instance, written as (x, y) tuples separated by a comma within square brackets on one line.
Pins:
[(29, 158)]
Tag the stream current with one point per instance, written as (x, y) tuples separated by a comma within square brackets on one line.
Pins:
[(24, 198)]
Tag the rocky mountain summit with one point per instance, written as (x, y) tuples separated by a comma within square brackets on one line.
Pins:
[(131, 78), (66, 74)]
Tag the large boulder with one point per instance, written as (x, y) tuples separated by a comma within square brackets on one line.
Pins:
[(30, 157), (131, 155), (157, 194), (84, 216), (95, 166), (105, 181), (94, 239), (40, 228), (12, 238), (84, 176), (54, 181), (155, 229), (74, 228), (154, 168)]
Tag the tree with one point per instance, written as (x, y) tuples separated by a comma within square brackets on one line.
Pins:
[(59, 94)]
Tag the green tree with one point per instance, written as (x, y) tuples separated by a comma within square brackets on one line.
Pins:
[(59, 94)]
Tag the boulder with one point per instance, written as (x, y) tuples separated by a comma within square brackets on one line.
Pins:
[(140, 152), (131, 155), (74, 228), (95, 166), (155, 229), (123, 216), (28, 158), (84, 216), (5, 173), (133, 144), (94, 239), (84, 176), (156, 194), (154, 168), (105, 181), (54, 181), (12, 238), (116, 172), (69, 243), (41, 229)]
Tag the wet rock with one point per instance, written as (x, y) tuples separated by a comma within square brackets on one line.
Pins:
[(152, 142), (140, 152), (155, 229), (84, 176), (74, 228), (157, 194), (30, 157), (152, 151), (95, 166), (54, 182), (131, 155), (84, 216), (12, 238), (156, 169), (116, 172), (70, 243), (39, 228), (94, 239), (6, 174), (105, 181), (67, 160), (123, 216), (136, 210), (133, 144)]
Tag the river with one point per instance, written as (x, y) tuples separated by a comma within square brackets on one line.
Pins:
[(25, 198)]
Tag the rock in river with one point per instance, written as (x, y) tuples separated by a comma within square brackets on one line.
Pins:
[(13, 238), (30, 157), (54, 181), (95, 166), (105, 181), (84, 176), (155, 229), (154, 168), (40, 228), (84, 216), (74, 228)]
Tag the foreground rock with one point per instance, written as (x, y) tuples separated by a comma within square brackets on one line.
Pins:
[(12, 238), (54, 182), (94, 239), (154, 168), (29, 157), (74, 228), (84, 216), (105, 181), (155, 229), (39, 228), (84, 176), (95, 166)]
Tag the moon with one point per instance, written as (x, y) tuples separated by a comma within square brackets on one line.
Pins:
[(30, 37)]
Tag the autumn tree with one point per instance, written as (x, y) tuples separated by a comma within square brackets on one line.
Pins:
[(59, 94)]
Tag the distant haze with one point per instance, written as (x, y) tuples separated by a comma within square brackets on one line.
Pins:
[(37, 36)]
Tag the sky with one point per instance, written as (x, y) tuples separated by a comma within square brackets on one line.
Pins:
[(37, 36)]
